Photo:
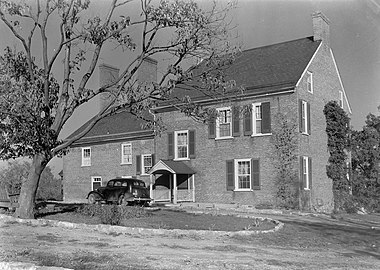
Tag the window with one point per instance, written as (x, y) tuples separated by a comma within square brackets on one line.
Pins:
[(243, 174), (146, 163), (306, 172), (96, 182), (261, 121), (181, 144), (126, 153), (86, 156), (305, 117), (310, 82), (341, 99), (223, 123)]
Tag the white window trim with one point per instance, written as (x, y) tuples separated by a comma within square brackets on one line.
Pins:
[(309, 76), (122, 153), (83, 159), (142, 163), (305, 167), (341, 98), (217, 131), (176, 144), (93, 181), (305, 123), (236, 161)]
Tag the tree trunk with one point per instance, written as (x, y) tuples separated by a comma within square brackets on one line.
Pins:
[(29, 188)]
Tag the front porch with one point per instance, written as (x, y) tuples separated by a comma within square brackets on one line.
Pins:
[(172, 181)]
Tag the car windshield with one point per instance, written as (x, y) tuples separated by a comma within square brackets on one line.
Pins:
[(138, 184)]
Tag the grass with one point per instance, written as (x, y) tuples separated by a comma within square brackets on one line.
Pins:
[(163, 218)]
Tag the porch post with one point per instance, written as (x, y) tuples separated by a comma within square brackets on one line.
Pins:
[(151, 186), (193, 181), (174, 188)]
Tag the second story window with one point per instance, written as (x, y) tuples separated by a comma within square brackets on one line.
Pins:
[(304, 115), (259, 121), (181, 144), (126, 153), (310, 82), (223, 123), (86, 156)]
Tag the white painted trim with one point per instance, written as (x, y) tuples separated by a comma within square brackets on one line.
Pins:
[(340, 81), (92, 181), (82, 157), (143, 164), (122, 153), (217, 123), (236, 162), (307, 66), (176, 145)]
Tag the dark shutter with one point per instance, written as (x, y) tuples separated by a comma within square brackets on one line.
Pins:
[(236, 121), (301, 123), (153, 159), (266, 120), (138, 164), (192, 143), (255, 171), (310, 173), (301, 173), (247, 123), (230, 174), (170, 145), (212, 128), (308, 119)]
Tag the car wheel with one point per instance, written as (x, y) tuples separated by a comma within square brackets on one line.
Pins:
[(91, 199)]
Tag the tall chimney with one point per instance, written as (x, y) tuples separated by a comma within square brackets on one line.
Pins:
[(147, 72), (321, 28), (107, 75)]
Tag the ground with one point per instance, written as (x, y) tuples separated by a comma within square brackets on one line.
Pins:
[(305, 242)]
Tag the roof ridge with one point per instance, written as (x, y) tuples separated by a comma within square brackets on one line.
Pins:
[(278, 43)]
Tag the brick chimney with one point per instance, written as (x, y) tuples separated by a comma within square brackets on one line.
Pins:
[(107, 74), (321, 28), (147, 72)]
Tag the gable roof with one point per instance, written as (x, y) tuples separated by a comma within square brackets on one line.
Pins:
[(263, 70), (120, 126)]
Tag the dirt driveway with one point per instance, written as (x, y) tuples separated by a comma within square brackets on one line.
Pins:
[(305, 242)]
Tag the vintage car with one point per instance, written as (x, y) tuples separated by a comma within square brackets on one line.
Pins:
[(123, 191)]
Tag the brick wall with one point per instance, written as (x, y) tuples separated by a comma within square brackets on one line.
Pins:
[(105, 162)]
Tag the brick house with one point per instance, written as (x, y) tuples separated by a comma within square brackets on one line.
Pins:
[(231, 159)]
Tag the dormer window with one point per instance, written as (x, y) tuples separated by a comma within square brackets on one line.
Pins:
[(310, 82)]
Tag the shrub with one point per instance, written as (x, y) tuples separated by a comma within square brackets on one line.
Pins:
[(112, 214)]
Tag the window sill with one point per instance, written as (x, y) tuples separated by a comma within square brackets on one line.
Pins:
[(243, 190), (307, 189), (223, 138), (181, 159), (261, 135), (126, 163), (305, 133), (85, 165)]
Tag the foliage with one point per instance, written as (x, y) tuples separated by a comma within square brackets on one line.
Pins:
[(285, 143), (34, 107), (365, 159), (113, 214), (338, 131), (17, 173)]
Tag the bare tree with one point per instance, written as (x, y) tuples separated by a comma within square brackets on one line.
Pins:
[(34, 106)]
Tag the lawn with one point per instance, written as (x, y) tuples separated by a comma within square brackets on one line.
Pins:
[(154, 218)]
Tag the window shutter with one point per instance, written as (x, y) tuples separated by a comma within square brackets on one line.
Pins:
[(310, 173), (153, 157), (247, 123), (255, 171), (138, 164), (301, 123), (301, 173), (236, 121), (230, 174), (266, 120), (170, 145), (192, 143), (212, 128), (308, 119)]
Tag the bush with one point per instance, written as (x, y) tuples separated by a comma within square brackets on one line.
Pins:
[(112, 214)]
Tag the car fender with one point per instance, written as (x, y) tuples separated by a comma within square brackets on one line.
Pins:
[(97, 195), (128, 197)]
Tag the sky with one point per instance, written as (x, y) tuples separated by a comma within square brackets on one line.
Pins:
[(354, 38)]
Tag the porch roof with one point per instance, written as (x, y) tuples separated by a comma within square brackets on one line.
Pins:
[(177, 167)]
